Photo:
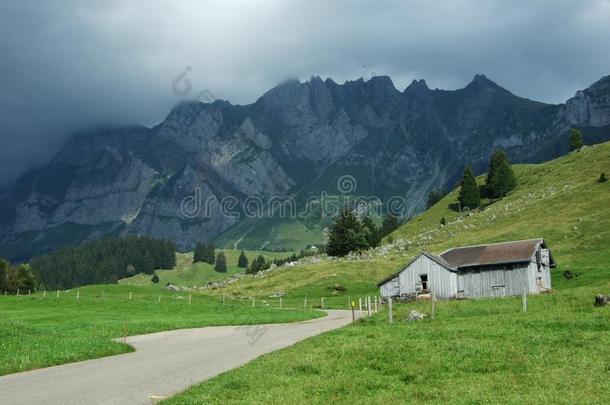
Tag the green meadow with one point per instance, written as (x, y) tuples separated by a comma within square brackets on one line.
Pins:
[(39, 331)]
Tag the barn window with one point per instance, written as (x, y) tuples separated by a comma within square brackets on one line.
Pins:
[(423, 279)]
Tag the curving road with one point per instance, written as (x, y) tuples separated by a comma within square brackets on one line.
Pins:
[(163, 364)]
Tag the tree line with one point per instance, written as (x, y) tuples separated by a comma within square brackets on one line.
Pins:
[(104, 261), (14, 279)]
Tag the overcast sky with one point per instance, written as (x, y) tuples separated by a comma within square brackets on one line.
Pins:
[(68, 65)]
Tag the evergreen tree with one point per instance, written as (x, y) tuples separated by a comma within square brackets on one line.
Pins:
[(346, 235), (209, 254), (602, 178), (469, 196), (4, 265), (242, 262), (155, 278), (500, 178), (259, 264), (373, 234), (221, 263), (199, 253), (389, 225), (434, 197), (575, 139)]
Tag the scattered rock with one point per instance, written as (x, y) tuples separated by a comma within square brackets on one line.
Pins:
[(171, 287), (602, 300), (414, 316), (278, 294)]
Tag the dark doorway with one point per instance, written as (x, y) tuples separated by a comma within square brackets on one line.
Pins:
[(423, 279)]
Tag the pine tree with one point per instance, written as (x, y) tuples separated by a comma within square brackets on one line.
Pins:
[(155, 278), (434, 197), (242, 262), (500, 178), (199, 253), (575, 139), (469, 196), (373, 235), (209, 254), (4, 265), (257, 265), (346, 235), (389, 225), (221, 263)]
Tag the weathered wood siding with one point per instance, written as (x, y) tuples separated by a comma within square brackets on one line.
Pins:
[(442, 282), (490, 282), (390, 289)]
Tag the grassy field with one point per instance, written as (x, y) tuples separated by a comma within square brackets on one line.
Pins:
[(472, 352), (38, 332), (475, 351), (189, 274)]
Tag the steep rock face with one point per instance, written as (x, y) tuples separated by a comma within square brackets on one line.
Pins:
[(589, 107), (174, 180)]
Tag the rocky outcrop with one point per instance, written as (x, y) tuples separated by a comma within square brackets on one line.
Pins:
[(171, 181)]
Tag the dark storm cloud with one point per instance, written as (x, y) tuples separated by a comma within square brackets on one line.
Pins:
[(67, 65)]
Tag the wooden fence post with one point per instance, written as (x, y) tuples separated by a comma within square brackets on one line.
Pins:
[(375, 304), (390, 314), (353, 305), (57, 294), (368, 305), (190, 299), (44, 293), (524, 300), (305, 303), (129, 295), (322, 303), (78, 294), (433, 310), (159, 298), (17, 291), (223, 297), (280, 302), (253, 300), (360, 306)]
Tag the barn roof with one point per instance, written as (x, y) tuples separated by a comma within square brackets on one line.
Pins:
[(493, 254)]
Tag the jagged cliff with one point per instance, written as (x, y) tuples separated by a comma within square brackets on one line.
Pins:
[(297, 139)]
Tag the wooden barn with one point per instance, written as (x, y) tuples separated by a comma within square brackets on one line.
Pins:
[(482, 271)]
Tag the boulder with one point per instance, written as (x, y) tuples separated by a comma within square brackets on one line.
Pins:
[(414, 316), (602, 300)]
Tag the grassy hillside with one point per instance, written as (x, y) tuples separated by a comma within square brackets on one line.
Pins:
[(560, 201), (474, 351), (189, 274), (39, 331)]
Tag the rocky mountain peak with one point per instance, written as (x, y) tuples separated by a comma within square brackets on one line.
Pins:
[(417, 88), (480, 81)]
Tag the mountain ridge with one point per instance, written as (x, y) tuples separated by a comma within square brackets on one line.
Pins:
[(297, 138)]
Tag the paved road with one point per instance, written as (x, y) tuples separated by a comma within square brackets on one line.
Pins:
[(163, 364)]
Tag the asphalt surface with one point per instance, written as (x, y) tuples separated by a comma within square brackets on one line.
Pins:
[(163, 364)]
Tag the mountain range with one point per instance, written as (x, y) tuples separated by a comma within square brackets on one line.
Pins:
[(297, 140)]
